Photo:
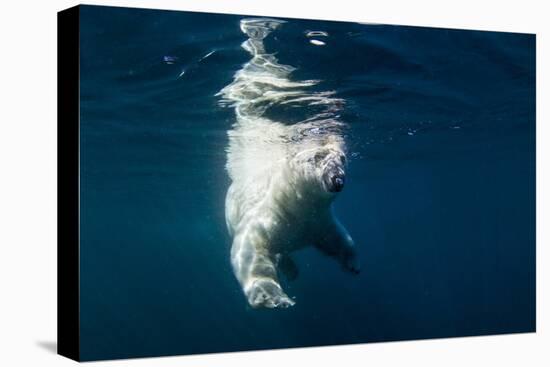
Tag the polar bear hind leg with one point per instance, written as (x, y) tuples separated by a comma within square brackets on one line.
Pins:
[(286, 266)]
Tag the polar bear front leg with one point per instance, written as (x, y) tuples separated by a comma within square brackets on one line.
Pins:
[(337, 242), (255, 269)]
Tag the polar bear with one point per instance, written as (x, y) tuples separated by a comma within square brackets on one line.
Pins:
[(285, 177)]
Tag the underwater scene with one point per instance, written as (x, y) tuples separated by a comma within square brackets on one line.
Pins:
[(253, 183)]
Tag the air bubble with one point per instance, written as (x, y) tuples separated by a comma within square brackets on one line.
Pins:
[(317, 42), (316, 34)]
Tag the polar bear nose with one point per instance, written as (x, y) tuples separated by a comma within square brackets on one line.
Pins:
[(337, 183)]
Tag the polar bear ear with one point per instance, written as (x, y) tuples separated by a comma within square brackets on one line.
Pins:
[(343, 159)]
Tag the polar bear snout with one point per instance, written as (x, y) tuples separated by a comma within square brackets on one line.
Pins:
[(334, 180), (337, 183)]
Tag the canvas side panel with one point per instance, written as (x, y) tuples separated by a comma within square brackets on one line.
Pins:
[(68, 338)]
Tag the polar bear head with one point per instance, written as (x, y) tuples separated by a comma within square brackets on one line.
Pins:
[(330, 164), (322, 168)]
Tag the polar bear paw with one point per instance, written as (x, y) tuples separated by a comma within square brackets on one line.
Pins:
[(267, 293), (351, 263)]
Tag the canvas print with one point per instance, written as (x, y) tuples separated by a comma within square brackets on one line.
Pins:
[(250, 182)]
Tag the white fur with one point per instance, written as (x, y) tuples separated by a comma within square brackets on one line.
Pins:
[(278, 201)]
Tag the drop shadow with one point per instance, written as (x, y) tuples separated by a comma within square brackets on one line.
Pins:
[(50, 346)]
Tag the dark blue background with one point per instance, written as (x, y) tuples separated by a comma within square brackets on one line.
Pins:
[(440, 197)]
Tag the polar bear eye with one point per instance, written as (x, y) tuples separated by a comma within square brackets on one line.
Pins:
[(343, 159), (319, 156)]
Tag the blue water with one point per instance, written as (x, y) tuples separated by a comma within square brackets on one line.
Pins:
[(440, 191)]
